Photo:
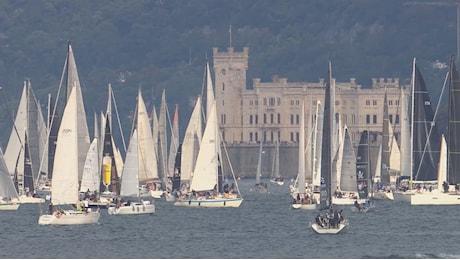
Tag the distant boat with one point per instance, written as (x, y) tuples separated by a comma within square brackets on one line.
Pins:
[(276, 175), (303, 197), (26, 146), (71, 149), (260, 186), (363, 176), (130, 184), (207, 185), (9, 199)]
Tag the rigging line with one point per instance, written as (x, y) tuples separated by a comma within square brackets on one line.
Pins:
[(432, 123), (53, 115), (119, 121), (11, 116)]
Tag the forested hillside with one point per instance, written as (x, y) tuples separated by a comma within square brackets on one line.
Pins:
[(163, 44)]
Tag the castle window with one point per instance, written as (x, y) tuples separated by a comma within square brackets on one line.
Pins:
[(397, 102), (390, 102), (272, 101), (257, 136), (297, 119), (271, 118), (250, 137), (251, 103), (397, 119), (292, 137), (292, 119), (223, 136), (278, 101), (297, 102), (368, 119), (292, 102), (257, 119), (374, 119), (297, 137), (368, 102), (271, 136), (223, 86), (374, 102), (390, 118), (265, 118), (265, 136), (279, 118), (250, 119)]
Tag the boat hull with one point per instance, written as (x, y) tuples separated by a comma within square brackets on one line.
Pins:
[(136, 208), (345, 201), (303, 206), (435, 198), (29, 200), (383, 195), (209, 203), (320, 230), (9, 206), (364, 209), (70, 217)]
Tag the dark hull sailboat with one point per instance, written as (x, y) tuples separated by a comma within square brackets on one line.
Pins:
[(333, 224)]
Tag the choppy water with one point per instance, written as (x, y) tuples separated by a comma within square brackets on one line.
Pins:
[(263, 227)]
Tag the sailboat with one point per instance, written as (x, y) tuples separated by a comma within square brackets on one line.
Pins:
[(26, 146), (347, 192), (71, 149), (426, 141), (363, 175), (449, 162), (389, 158), (130, 184), (303, 198), (208, 189), (333, 222), (9, 199), (276, 175), (260, 186)]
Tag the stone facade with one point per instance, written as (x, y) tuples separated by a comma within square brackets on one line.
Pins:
[(271, 110)]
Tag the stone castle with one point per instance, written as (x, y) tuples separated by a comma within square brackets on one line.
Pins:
[(271, 111)]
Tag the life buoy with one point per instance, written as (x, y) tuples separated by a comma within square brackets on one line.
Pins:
[(58, 214)]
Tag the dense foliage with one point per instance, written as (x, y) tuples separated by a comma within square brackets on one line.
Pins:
[(163, 44)]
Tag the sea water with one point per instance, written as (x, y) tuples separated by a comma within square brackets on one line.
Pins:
[(263, 227)]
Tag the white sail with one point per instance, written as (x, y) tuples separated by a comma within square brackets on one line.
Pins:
[(318, 143), (348, 166), (147, 156), (209, 91), (91, 178), (174, 143), (259, 164), (205, 173), (405, 137), (7, 188), (191, 143), (378, 166), (83, 133), (301, 154), (17, 137), (130, 181), (442, 170), (65, 169), (163, 150), (395, 154)]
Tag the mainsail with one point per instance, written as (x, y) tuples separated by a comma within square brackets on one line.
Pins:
[(453, 147)]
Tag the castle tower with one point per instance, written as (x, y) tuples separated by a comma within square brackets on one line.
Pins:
[(230, 80)]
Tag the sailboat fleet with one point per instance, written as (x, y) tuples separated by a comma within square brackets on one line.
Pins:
[(54, 155)]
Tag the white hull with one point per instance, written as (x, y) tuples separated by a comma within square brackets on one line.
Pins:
[(303, 206), (345, 201), (383, 195), (209, 203), (281, 183), (27, 199), (404, 196), (136, 208), (320, 230), (156, 194), (70, 217), (435, 198), (9, 206)]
